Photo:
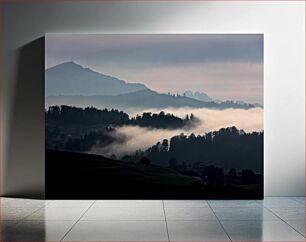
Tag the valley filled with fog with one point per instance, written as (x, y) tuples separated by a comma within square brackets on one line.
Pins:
[(133, 138)]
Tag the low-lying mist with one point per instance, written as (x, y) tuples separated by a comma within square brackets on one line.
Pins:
[(132, 138)]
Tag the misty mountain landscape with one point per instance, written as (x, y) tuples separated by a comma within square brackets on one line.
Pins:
[(71, 84), (144, 117)]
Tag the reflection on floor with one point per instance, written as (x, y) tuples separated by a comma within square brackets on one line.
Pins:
[(274, 219)]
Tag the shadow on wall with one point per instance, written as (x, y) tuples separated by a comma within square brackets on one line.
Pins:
[(24, 169)]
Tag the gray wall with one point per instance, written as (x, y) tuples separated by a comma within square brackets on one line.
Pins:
[(23, 82)]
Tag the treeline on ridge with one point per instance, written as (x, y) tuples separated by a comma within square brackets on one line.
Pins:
[(226, 148), (74, 116)]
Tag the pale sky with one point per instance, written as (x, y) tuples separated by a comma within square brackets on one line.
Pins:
[(225, 66)]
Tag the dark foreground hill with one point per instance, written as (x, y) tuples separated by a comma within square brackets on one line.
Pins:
[(85, 176)]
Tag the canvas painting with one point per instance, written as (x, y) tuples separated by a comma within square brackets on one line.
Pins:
[(154, 116)]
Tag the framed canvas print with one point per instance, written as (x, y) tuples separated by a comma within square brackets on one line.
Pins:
[(154, 116)]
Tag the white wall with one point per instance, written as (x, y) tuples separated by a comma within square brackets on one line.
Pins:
[(283, 25)]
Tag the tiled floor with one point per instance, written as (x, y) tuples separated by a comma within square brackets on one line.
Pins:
[(274, 219)]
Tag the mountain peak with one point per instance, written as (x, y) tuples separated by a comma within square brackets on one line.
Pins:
[(70, 63), (67, 64), (70, 78), (201, 96)]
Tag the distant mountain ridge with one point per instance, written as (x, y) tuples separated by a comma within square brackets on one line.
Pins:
[(71, 84), (70, 78), (198, 96), (143, 99)]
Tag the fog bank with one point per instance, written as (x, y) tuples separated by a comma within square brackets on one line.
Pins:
[(132, 138)]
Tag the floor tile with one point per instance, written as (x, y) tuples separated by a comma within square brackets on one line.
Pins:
[(300, 200), (118, 231), (124, 214), (298, 225), (39, 230), (129, 203), (235, 203), (7, 228), (185, 203), (196, 231), (21, 203), (57, 214), (281, 202), (70, 203), (5, 224), (261, 231), (144, 220), (189, 214), (244, 214), (16, 213), (289, 213)]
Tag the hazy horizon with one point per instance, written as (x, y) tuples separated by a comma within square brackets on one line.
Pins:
[(224, 66)]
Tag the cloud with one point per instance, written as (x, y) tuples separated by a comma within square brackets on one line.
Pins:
[(153, 49)]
